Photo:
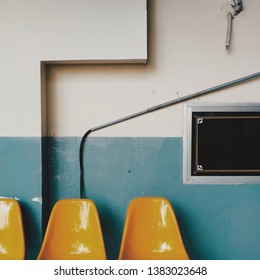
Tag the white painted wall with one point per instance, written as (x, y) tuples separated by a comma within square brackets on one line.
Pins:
[(186, 54), (73, 30), (81, 31)]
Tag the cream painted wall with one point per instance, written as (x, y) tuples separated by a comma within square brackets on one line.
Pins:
[(186, 54), (84, 31)]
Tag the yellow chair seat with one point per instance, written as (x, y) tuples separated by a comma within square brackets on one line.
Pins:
[(151, 232), (12, 245), (73, 232)]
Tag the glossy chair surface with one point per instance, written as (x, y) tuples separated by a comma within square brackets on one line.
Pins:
[(12, 244), (73, 232), (151, 232)]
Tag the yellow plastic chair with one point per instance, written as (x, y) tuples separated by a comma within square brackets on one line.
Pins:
[(151, 232), (12, 244), (73, 232)]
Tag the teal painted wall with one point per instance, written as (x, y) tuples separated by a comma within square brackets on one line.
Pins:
[(216, 221), (20, 177)]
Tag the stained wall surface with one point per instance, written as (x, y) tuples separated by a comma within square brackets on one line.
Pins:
[(144, 156), (50, 97), (37, 33)]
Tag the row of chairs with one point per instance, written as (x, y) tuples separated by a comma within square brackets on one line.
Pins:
[(74, 232)]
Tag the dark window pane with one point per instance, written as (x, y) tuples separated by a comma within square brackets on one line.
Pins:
[(226, 143)]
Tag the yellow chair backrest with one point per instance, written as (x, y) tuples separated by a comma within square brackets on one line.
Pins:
[(151, 232), (73, 232), (12, 244)]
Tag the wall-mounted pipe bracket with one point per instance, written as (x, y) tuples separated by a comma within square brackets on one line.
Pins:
[(237, 6)]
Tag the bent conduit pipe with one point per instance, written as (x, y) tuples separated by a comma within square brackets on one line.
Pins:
[(152, 109), (237, 7)]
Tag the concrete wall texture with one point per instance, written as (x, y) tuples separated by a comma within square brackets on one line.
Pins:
[(47, 111)]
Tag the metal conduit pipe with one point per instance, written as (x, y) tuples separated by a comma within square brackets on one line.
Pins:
[(229, 29), (237, 8), (152, 109)]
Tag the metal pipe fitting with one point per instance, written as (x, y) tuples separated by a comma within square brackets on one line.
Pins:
[(229, 30), (238, 7)]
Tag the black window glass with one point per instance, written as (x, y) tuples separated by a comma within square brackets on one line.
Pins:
[(226, 143)]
